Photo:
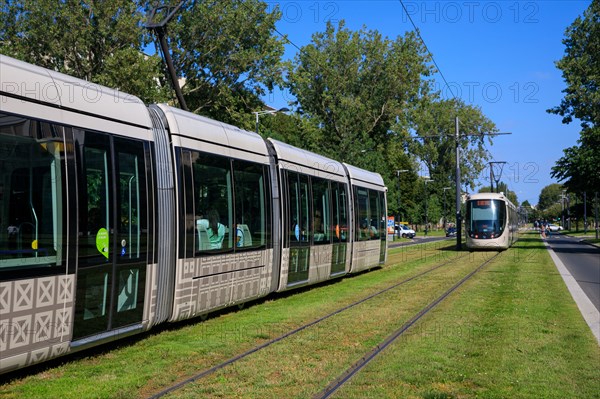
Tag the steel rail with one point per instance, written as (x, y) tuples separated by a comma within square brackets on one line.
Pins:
[(264, 345), (360, 364)]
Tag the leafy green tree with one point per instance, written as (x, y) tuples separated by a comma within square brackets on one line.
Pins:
[(293, 129), (358, 88), (549, 196), (552, 212), (579, 167), (229, 54), (356, 85), (580, 66), (435, 122), (99, 41), (529, 211)]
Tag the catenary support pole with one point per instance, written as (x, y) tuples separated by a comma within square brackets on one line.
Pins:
[(458, 215)]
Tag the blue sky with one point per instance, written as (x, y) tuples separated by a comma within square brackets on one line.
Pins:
[(498, 55)]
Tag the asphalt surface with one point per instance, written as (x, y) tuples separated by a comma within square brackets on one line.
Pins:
[(583, 262)]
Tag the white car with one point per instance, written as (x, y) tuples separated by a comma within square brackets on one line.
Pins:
[(554, 228), (405, 231)]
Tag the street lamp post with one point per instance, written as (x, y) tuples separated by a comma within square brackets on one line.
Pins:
[(596, 212), (563, 207), (584, 212), (268, 112), (568, 212), (428, 180), (445, 188), (398, 218)]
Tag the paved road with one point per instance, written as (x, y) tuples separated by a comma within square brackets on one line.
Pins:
[(583, 262)]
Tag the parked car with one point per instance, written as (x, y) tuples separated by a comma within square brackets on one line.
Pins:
[(451, 232), (405, 231), (554, 228)]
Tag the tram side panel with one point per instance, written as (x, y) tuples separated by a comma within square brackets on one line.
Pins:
[(369, 210), (37, 279), (51, 301), (315, 219), (369, 249), (223, 202)]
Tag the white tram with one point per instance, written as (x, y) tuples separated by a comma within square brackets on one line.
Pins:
[(116, 217), (491, 222)]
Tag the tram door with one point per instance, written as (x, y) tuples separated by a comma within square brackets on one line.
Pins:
[(112, 234)]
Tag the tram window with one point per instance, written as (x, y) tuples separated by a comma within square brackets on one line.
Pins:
[(382, 216), (321, 211), (252, 221), (298, 208), (213, 202), (94, 219), (361, 212), (32, 202), (128, 289), (132, 200), (369, 212), (339, 212), (374, 215)]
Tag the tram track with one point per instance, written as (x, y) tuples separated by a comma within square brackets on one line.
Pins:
[(344, 377), (295, 331)]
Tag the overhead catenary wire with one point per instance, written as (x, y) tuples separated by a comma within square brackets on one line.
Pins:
[(417, 31)]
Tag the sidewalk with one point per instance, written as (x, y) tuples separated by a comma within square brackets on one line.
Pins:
[(589, 312), (588, 238)]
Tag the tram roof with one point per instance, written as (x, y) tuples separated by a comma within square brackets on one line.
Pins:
[(365, 178), (22, 80), (224, 138), (297, 159), (496, 196), (487, 196)]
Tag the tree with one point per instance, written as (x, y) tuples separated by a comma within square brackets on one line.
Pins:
[(229, 55), (580, 66), (435, 121), (549, 196), (100, 41), (579, 167), (293, 129), (356, 85)]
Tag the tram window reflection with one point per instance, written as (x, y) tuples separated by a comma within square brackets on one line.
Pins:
[(31, 193)]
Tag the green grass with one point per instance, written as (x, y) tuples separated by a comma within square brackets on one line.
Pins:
[(512, 331), (139, 367)]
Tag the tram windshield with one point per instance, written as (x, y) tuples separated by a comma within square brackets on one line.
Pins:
[(486, 218)]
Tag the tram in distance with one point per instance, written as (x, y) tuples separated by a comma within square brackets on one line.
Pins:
[(116, 216), (491, 222)]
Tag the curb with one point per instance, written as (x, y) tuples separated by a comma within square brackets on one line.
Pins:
[(586, 307)]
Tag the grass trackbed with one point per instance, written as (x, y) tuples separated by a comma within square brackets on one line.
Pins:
[(512, 331)]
